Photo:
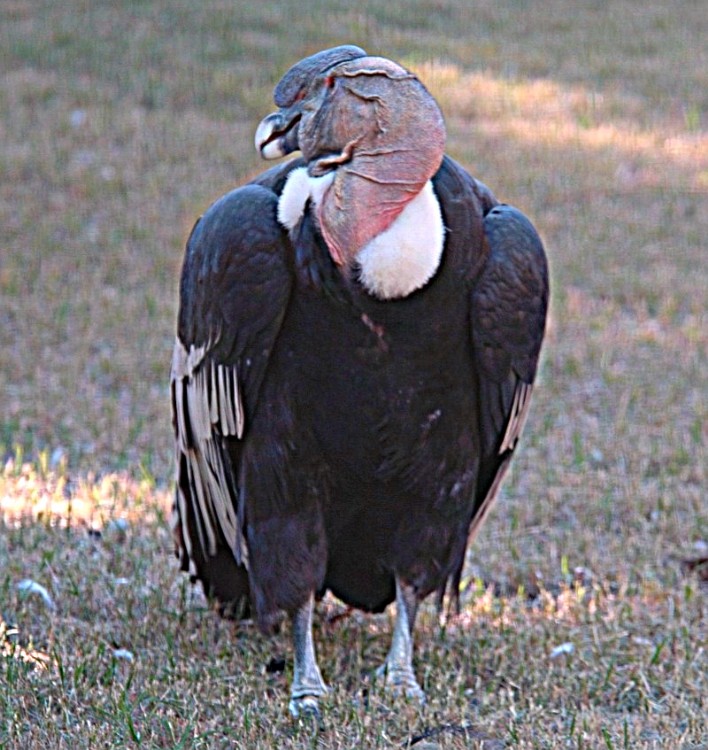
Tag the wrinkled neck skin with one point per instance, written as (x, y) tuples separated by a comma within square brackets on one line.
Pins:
[(400, 259)]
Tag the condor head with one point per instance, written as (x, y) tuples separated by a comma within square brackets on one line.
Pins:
[(368, 124)]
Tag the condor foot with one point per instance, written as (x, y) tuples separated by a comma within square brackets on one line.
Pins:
[(307, 705), (400, 681)]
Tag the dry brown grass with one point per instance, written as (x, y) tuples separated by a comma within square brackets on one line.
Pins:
[(119, 122)]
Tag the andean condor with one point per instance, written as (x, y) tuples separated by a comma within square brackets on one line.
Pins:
[(358, 336)]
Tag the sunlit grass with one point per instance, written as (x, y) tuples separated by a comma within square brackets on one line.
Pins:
[(127, 652), (584, 613)]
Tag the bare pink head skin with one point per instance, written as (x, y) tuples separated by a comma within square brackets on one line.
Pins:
[(371, 122)]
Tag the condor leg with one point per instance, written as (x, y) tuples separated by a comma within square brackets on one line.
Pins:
[(397, 670), (308, 684)]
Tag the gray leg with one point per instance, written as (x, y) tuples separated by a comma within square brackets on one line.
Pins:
[(398, 667), (308, 684)]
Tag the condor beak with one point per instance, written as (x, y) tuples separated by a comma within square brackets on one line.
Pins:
[(276, 134)]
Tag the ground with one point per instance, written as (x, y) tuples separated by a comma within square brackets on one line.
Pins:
[(583, 621)]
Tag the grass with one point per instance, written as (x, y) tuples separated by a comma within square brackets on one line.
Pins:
[(119, 123)]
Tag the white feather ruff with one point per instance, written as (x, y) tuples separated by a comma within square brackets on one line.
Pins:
[(299, 188), (405, 256)]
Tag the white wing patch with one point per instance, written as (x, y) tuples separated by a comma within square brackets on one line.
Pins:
[(517, 416), (207, 405)]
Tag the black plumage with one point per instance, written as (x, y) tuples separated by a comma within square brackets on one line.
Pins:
[(331, 439)]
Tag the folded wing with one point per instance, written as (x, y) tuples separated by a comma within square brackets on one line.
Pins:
[(234, 291), (507, 314)]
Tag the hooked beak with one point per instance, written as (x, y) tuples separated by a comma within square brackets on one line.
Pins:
[(277, 133)]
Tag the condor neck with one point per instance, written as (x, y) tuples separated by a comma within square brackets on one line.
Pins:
[(398, 261)]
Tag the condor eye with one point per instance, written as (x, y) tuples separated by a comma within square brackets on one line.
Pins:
[(330, 82)]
